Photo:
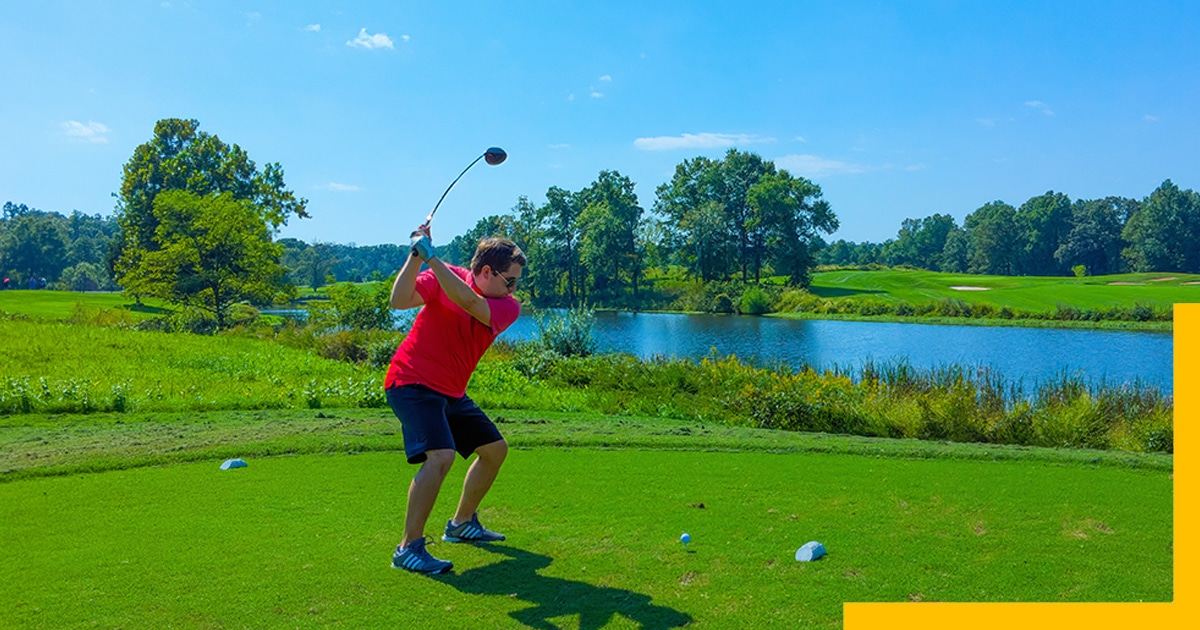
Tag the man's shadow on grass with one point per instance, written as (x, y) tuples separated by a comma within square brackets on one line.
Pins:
[(556, 597)]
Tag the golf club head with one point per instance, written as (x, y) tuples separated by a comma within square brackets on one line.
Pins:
[(495, 156)]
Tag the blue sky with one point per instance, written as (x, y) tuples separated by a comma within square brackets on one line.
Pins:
[(897, 110)]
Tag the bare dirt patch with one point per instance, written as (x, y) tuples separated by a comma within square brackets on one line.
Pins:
[(1083, 528), (971, 288)]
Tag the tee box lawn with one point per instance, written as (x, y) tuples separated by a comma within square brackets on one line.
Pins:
[(594, 532)]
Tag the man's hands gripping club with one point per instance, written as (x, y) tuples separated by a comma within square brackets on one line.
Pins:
[(405, 295), (422, 244)]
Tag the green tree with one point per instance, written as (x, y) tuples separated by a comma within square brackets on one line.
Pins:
[(210, 252), (1043, 223), (562, 234), (920, 243), (786, 215), (181, 157), (313, 264), (703, 240), (84, 276), (529, 233), (1163, 233), (1095, 237), (955, 256), (739, 172), (354, 307), (993, 235), (461, 248), (34, 244), (609, 222), (89, 238), (601, 248), (699, 234)]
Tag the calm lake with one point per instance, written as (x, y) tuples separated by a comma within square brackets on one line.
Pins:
[(1031, 355)]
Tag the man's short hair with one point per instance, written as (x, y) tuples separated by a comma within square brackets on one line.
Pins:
[(498, 253)]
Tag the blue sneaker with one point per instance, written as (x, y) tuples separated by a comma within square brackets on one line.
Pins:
[(414, 558), (470, 531)]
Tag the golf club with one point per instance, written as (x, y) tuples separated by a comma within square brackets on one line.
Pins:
[(494, 156)]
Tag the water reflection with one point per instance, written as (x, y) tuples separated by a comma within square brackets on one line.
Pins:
[(1030, 354)]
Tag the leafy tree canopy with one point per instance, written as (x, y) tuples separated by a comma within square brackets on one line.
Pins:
[(181, 157), (210, 252)]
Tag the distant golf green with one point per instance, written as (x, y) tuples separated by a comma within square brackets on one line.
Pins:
[(306, 541), (1033, 293), (60, 304)]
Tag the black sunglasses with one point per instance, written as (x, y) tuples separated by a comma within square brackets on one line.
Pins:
[(508, 282)]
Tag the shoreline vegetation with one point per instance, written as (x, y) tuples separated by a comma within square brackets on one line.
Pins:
[(107, 360)]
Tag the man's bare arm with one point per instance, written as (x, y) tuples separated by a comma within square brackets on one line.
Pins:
[(404, 291), (460, 292)]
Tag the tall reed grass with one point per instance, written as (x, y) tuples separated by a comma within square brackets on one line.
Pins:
[(51, 368)]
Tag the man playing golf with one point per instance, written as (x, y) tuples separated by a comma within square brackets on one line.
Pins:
[(464, 310)]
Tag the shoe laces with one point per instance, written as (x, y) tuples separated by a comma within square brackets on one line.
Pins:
[(418, 546)]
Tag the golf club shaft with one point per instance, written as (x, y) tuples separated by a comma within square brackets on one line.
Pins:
[(439, 201)]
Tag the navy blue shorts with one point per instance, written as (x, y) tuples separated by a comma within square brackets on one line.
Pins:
[(431, 420)]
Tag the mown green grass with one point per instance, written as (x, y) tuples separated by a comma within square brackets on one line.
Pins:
[(124, 520), (593, 540), (40, 445), (61, 304), (1032, 293)]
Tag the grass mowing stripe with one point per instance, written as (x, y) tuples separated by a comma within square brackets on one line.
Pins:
[(41, 445), (593, 539)]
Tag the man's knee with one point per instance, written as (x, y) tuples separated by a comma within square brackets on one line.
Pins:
[(439, 461), (493, 453)]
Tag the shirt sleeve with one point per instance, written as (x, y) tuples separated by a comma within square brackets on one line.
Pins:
[(428, 287), (504, 312)]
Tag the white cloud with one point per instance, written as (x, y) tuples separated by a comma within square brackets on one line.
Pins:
[(314, 28), (1040, 106), (560, 146), (606, 78), (986, 122), (816, 166), (697, 141), (596, 94), (570, 97), (801, 139), (1150, 118), (90, 132), (340, 187), (404, 37), (379, 40)]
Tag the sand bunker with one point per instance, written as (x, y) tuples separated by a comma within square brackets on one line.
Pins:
[(971, 288), (1163, 279), (1191, 282), (1128, 283)]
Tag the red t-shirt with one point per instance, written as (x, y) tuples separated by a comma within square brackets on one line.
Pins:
[(446, 342)]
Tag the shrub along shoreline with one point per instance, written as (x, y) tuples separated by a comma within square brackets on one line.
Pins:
[(57, 368)]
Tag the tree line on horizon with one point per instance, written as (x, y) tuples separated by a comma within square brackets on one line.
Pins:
[(1048, 235), (196, 222)]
